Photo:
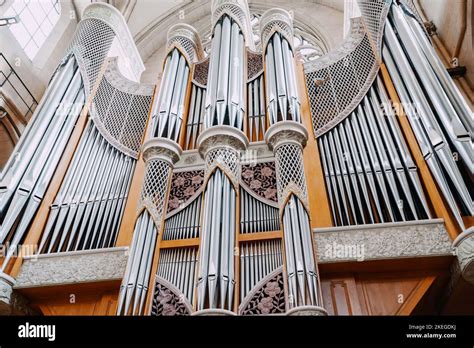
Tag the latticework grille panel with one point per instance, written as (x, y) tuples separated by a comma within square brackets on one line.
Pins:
[(337, 85), (227, 159), (121, 116), (290, 171), (91, 45), (154, 188), (374, 13), (187, 45), (237, 11)]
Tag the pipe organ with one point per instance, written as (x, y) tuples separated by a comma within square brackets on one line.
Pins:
[(218, 179)]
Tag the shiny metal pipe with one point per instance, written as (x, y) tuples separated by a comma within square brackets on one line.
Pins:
[(434, 133), (374, 159), (34, 134), (236, 71), (272, 93), (422, 138), (351, 168), (356, 137), (224, 70), (332, 176), (382, 155), (392, 152), (211, 91), (460, 137), (457, 100), (345, 217), (342, 158), (299, 254), (291, 81), (191, 116), (280, 77)]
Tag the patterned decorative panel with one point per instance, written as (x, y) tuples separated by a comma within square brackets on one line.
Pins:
[(261, 179), (154, 188), (184, 185), (338, 81), (290, 172), (167, 301), (120, 109), (201, 71), (267, 298), (254, 64), (90, 46)]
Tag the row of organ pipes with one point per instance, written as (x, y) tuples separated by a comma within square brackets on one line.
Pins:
[(368, 168), (369, 171)]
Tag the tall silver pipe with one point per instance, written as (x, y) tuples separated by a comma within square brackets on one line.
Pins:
[(435, 135), (422, 138), (452, 124), (402, 147)]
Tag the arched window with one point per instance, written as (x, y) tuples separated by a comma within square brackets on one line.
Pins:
[(36, 20)]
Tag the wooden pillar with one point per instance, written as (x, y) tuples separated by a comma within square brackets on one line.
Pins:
[(320, 211)]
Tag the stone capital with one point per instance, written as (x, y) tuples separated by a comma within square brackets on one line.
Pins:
[(286, 132), (6, 292), (163, 149), (221, 136), (187, 39), (464, 247), (307, 311)]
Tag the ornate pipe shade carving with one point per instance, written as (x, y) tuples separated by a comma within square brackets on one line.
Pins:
[(238, 10), (114, 19), (276, 20), (186, 38)]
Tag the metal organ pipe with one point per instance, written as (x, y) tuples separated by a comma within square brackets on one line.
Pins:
[(220, 144), (433, 144), (369, 142), (168, 110), (160, 152), (287, 137), (224, 100), (282, 91), (450, 120), (25, 181)]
